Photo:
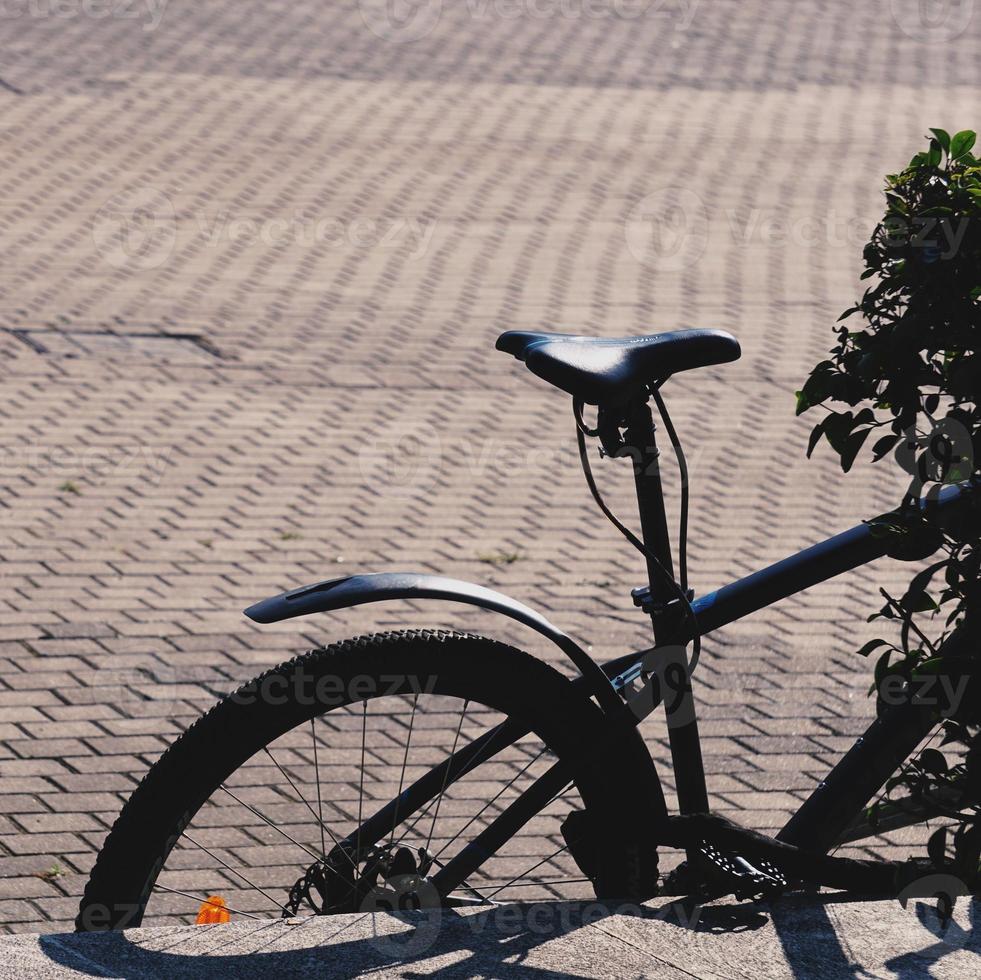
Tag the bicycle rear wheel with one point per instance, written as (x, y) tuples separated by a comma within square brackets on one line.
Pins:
[(300, 793)]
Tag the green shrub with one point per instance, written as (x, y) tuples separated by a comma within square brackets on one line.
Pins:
[(903, 383)]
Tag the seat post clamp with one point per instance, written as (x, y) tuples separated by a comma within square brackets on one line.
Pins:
[(645, 601)]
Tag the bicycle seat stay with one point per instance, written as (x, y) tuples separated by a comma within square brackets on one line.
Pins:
[(610, 370)]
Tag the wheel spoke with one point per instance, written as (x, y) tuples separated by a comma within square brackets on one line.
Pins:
[(197, 898), (466, 884), (364, 725), (543, 791), (550, 857), (482, 754), (405, 760), (303, 800), (235, 871), (276, 827), (446, 775), (538, 881), (491, 801), (517, 877), (316, 771)]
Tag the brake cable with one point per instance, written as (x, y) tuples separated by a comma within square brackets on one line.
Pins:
[(582, 430)]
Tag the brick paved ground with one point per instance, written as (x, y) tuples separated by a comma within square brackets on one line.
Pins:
[(347, 211)]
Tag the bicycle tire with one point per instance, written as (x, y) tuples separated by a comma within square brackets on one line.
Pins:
[(239, 726)]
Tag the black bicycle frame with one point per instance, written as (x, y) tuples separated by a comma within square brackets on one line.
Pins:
[(837, 801), (841, 796), (667, 614), (861, 773)]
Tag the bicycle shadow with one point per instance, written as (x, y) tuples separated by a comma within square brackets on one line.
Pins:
[(817, 947), (533, 941), (507, 939)]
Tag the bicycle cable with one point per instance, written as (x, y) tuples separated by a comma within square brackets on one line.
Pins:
[(582, 430)]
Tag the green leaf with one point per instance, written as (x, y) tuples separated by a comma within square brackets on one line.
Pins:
[(817, 387), (816, 434), (872, 815), (943, 138), (883, 446), (882, 667), (922, 603), (852, 445), (962, 143), (954, 732), (872, 645), (838, 427), (912, 601), (932, 761)]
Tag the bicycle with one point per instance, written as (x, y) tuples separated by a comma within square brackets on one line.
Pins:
[(509, 745)]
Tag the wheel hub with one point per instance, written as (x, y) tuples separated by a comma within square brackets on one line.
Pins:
[(383, 877)]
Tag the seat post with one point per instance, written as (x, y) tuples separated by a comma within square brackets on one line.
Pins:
[(641, 445), (679, 703)]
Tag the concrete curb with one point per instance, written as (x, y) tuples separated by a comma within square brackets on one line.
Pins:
[(814, 936)]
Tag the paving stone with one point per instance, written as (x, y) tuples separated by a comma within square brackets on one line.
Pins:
[(41, 843)]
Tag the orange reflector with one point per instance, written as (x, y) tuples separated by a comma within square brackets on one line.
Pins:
[(213, 910)]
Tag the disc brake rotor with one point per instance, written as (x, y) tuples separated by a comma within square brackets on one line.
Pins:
[(385, 877)]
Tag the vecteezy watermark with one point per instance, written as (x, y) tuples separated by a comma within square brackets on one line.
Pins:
[(933, 21), (404, 21), (828, 229), (418, 917), (408, 234), (400, 21), (668, 229), (664, 676), (942, 691), (942, 455), (309, 689), (148, 12), (407, 893), (91, 464), (408, 458), (682, 11), (138, 229), (404, 461), (934, 238)]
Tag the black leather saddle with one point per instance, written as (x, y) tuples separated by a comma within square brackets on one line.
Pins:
[(609, 371)]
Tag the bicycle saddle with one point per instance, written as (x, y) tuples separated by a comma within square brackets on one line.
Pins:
[(607, 370)]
